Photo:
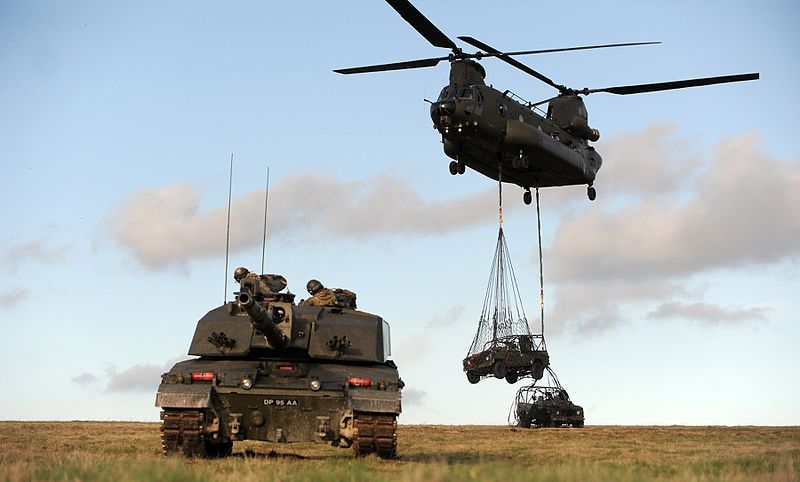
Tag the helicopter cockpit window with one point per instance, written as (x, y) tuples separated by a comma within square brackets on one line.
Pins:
[(466, 93), (444, 94), (501, 108)]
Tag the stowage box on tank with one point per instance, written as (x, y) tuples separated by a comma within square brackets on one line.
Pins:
[(272, 370)]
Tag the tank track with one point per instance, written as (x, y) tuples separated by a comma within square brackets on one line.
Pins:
[(375, 433), (182, 433)]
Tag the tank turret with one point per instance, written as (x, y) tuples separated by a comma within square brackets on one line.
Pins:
[(272, 370)]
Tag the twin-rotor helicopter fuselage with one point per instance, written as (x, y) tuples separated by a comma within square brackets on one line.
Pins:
[(499, 136)]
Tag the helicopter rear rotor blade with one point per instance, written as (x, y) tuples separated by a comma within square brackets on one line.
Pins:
[(410, 64), (493, 52), (422, 25), (677, 84)]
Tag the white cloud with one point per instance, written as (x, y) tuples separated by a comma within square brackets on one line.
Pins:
[(414, 397), (85, 379), (742, 210), (166, 226), (36, 251), (707, 313), (138, 378), (143, 377), (11, 298), (736, 208)]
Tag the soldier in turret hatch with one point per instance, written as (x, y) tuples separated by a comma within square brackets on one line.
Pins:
[(320, 295), (259, 283)]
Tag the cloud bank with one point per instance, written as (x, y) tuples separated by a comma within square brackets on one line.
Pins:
[(666, 213), (166, 226), (736, 208)]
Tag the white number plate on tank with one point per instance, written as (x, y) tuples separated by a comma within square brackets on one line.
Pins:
[(279, 402)]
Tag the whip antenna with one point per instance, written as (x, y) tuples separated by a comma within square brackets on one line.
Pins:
[(228, 231), (264, 239)]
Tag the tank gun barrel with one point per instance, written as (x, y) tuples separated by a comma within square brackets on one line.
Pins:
[(261, 320)]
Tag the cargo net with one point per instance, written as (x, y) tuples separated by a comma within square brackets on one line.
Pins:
[(503, 346), (545, 403)]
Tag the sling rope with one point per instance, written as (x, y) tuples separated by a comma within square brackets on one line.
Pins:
[(541, 268)]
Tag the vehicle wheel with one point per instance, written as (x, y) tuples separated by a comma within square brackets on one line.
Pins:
[(537, 370), (223, 449), (473, 377), (462, 168), (592, 193), (499, 369), (525, 422), (577, 424), (453, 167), (527, 198), (512, 378)]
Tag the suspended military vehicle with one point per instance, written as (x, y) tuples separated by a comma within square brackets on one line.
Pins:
[(545, 403), (490, 130), (504, 346), (272, 370)]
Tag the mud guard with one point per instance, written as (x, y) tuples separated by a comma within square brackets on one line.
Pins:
[(184, 396)]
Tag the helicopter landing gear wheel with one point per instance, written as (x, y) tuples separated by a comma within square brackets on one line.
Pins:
[(462, 168), (473, 377), (591, 192), (453, 167), (526, 197)]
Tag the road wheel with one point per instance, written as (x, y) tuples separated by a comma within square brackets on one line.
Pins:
[(537, 370), (499, 369)]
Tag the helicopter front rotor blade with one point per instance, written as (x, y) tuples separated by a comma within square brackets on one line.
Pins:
[(410, 64), (677, 84), (492, 52), (422, 25), (569, 49)]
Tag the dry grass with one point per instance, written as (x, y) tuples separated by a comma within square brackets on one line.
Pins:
[(131, 451)]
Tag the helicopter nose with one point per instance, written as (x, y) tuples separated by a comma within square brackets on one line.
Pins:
[(447, 107)]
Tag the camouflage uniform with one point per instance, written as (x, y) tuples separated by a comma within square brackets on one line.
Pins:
[(264, 283), (323, 297)]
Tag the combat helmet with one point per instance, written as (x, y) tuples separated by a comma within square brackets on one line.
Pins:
[(314, 286)]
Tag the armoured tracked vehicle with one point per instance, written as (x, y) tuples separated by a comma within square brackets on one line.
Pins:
[(271, 370)]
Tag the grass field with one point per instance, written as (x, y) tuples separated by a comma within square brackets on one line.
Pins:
[(131, 451)]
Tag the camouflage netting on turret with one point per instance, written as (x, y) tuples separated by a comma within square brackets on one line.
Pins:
[(503, 314)]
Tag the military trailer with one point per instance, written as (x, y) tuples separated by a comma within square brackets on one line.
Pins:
[(547, 407), (271, 370), (510, 357)]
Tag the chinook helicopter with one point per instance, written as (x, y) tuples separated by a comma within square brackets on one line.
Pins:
[(502, 136)]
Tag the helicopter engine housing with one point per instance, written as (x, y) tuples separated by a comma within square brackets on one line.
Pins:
[(569, 113)]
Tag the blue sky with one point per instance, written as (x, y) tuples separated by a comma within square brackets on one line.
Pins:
[(670, 300)]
